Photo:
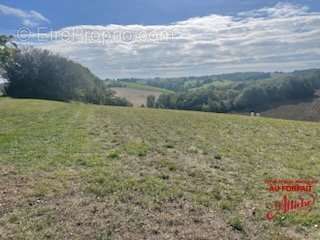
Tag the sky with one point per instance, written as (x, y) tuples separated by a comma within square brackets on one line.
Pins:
[(170, 38)]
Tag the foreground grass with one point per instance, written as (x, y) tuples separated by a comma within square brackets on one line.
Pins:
[(75, 171)]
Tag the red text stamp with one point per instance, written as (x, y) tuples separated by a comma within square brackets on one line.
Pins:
[(297, 194)]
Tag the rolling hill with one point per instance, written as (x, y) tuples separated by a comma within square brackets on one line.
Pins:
[(81, 171), (137, 93), (308, 110), (138, 97), (241, 93)]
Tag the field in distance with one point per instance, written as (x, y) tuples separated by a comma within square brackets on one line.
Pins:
[(137, 93), (136, 96), (303, 110), (80, 171)]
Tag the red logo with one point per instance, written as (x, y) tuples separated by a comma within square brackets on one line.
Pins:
[(303, 199)]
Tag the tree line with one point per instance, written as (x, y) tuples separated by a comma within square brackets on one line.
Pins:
[(248, 95), (37, 73), (181, 84)]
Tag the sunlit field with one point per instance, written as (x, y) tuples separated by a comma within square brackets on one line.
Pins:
[(79, 171)]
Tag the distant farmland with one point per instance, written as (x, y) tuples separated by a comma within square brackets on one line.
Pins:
[(137, 97), (307, 110)]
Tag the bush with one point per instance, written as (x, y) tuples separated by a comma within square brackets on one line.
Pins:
[(151, 101)]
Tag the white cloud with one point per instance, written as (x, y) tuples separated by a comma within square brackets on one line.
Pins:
[(2, 80), (284, 37), (29, 18), (279, 10)]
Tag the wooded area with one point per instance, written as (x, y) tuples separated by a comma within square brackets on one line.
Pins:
[(37, 73)]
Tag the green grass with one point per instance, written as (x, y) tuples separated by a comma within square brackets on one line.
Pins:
[(76, 171), (140, 86)]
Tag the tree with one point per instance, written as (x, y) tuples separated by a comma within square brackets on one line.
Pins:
[(44, 75), (167, 101), (6, 52), (151, 100), (251, 97)]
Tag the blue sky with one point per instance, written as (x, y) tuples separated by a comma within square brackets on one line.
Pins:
[(201, 37), (146, 12)]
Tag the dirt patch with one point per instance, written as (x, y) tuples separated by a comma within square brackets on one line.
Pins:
[(105, 219), (13, 188)]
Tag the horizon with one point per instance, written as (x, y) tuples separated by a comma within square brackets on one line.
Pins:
[(3, 80), (218, 74)]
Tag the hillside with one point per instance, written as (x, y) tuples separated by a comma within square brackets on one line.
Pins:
[(135, 93), (308, 110), (140, 86), (137, 97), (80, 171), (237, 92), (178, 84)]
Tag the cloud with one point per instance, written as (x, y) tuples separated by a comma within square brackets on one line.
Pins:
[(279, 10), (284, 37), (2, 80), (29, 18)]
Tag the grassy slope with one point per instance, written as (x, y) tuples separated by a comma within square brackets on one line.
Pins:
[(307, 110), (137, 93), (140, 86), (135, 96), (74, 171)]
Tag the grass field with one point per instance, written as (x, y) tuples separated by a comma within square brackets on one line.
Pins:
[(139, 86), (76, 171), (137, 93), (137, 97)]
